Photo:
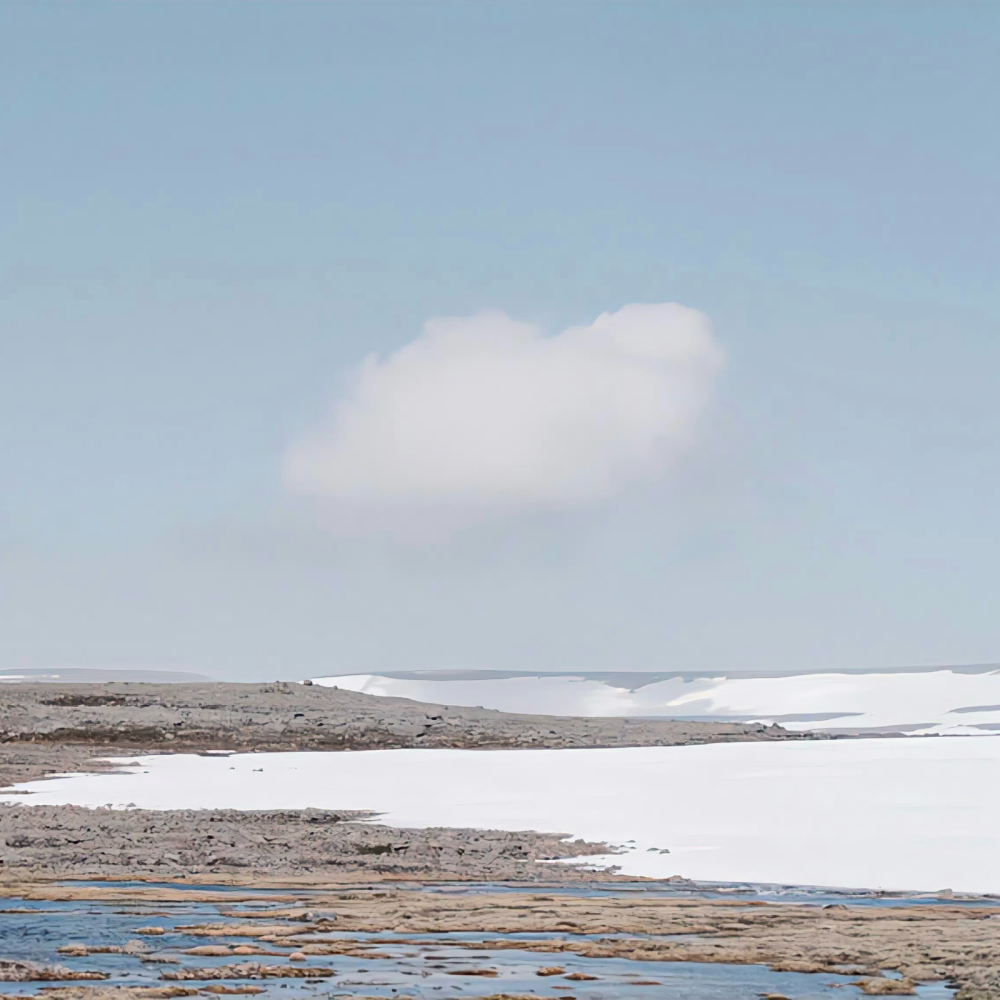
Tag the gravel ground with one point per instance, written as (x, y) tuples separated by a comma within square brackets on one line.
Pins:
[(286, 716), (286, 848)]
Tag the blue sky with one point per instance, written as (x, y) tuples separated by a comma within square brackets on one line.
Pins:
[(213, 211)]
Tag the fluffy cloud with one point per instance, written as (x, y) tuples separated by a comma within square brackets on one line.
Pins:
[(483, 415)]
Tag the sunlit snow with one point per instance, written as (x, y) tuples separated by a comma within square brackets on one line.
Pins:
[(919, 814), (958, 701)]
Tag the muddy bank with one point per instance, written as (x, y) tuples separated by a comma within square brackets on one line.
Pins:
[(294, 848), (286, 716)]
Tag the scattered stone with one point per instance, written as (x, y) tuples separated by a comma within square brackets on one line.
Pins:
[(231, 990), (880, 986), (80, 950), (247, 970), (266, 931), (113, 992), (13, 971), (515, 996)]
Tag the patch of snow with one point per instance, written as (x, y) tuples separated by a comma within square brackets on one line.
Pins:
[(868, 813), (922, 702)]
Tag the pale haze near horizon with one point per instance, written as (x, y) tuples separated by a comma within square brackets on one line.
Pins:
[(215, 213)]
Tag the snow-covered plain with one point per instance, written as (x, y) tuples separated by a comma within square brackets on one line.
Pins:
[(925, 702), (871, 813)]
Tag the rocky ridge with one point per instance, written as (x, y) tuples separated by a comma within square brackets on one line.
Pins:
[(288, 716)]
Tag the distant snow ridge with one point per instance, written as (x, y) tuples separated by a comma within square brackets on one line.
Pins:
[(952, 701)]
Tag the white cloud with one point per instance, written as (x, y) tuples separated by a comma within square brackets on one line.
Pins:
[(483, 415)]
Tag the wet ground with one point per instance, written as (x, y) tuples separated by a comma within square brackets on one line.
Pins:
[(386, 964), (815, 895)]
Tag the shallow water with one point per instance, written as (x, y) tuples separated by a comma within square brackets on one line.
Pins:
[(419, 965), (814, 895)]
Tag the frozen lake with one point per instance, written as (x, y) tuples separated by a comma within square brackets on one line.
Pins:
[(918, 814)]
